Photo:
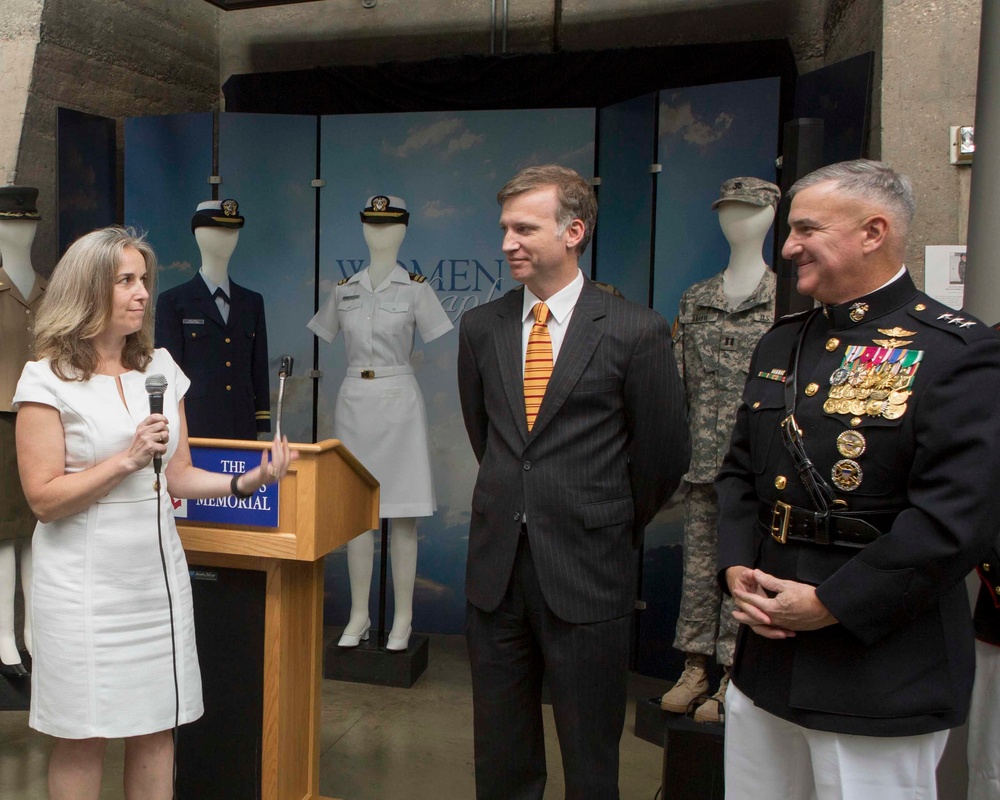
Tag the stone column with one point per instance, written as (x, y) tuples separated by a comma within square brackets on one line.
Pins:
[(982, 278)]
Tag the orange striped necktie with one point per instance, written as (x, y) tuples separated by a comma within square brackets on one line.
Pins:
[(537, 363)]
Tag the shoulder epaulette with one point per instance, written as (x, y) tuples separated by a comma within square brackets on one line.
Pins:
[(417, 278), (343, 281), (938, 315)]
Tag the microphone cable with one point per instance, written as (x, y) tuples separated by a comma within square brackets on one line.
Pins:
[(173, 635)]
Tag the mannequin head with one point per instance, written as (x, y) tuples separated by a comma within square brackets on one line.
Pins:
[(743, 223), (384, 237), (17, 235), (216, 243)]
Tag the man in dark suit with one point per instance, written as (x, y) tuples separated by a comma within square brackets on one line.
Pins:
[(858, 492), (563, 494)]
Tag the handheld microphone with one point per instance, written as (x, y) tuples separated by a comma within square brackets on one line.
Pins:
[(156, 385)]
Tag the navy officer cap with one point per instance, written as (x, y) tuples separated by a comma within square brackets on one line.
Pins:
[(382, 209), (19, 202), (217, 214)]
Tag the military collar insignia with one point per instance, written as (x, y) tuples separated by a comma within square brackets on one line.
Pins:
[(872, 306)]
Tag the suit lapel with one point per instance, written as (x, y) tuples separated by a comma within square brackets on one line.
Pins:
[(507, 338), (582, 337)]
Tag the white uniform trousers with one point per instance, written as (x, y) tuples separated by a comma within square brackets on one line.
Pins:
[(984, 725), (768, 758)]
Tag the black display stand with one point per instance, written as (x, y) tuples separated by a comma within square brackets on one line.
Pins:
[(370, 662), (692, 751), (15, 693), (219, 755)]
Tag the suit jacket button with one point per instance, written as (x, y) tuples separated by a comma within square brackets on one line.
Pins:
[(526, 465), (517, 516)]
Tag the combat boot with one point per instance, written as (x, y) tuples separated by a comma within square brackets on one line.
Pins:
[(714, 709), (691, 685)]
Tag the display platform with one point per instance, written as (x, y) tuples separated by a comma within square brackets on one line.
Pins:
[(15, 693), (367, 663), (692, 751)]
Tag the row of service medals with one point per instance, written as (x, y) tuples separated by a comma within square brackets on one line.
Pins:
[(872, 381)]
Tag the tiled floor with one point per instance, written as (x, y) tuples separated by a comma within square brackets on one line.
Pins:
[(377, 742)]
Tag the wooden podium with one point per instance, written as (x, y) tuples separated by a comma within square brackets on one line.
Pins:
[(326, 499)]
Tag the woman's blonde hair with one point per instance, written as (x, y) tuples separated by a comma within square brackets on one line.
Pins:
[(77, 304)]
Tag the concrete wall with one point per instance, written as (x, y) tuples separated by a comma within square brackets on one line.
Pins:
[(929, 66), (304, 35), (114, 58), (20, 24)]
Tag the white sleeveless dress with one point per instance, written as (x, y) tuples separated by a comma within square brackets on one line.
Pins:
[(102, 664)]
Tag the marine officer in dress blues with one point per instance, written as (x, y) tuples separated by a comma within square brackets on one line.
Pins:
[(856, 496), (216, 331)]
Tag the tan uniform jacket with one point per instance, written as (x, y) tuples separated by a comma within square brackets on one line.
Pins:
[(17, 333)]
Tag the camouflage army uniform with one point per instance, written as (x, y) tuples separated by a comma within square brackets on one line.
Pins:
[(713, 346)]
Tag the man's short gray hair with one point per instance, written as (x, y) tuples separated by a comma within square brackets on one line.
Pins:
[(868, 180)]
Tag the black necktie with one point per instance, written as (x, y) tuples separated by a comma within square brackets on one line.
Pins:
[(219, 293)]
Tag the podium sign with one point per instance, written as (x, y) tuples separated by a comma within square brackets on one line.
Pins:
[(260, 510)]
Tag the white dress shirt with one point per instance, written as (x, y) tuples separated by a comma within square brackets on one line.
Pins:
[(560, 306)]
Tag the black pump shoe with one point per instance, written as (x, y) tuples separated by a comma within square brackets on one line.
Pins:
[(13, 670)]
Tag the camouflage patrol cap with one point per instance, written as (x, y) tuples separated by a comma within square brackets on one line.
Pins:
[(754, 191)]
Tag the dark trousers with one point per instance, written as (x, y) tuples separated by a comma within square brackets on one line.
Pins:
[(586, 669)]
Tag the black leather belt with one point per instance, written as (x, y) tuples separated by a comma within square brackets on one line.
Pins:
[(788, 523)]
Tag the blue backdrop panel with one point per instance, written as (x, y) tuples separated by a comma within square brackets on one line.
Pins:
[(168, 161), (707, 134), (625, 196), (88, 180), (448, 168), (267, 162)]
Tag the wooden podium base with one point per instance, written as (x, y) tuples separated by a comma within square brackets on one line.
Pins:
[(366, 663)]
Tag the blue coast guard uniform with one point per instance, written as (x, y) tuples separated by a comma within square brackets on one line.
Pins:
[(226, 360)]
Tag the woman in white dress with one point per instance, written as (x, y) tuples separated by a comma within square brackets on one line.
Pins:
[(104, 657)]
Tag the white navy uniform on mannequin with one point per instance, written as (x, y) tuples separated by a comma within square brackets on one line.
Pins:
[(379, 413)]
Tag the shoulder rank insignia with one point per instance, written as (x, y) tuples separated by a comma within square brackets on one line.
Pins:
[(342, 282), (416, 278)]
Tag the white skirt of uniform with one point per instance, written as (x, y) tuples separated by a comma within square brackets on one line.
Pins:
[(384, 423)]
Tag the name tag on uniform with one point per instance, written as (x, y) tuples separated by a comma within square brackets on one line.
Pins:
[(351, 297), (192, 321)]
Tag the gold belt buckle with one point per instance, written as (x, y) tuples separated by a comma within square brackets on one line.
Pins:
[(780, 515), (368, 374)]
